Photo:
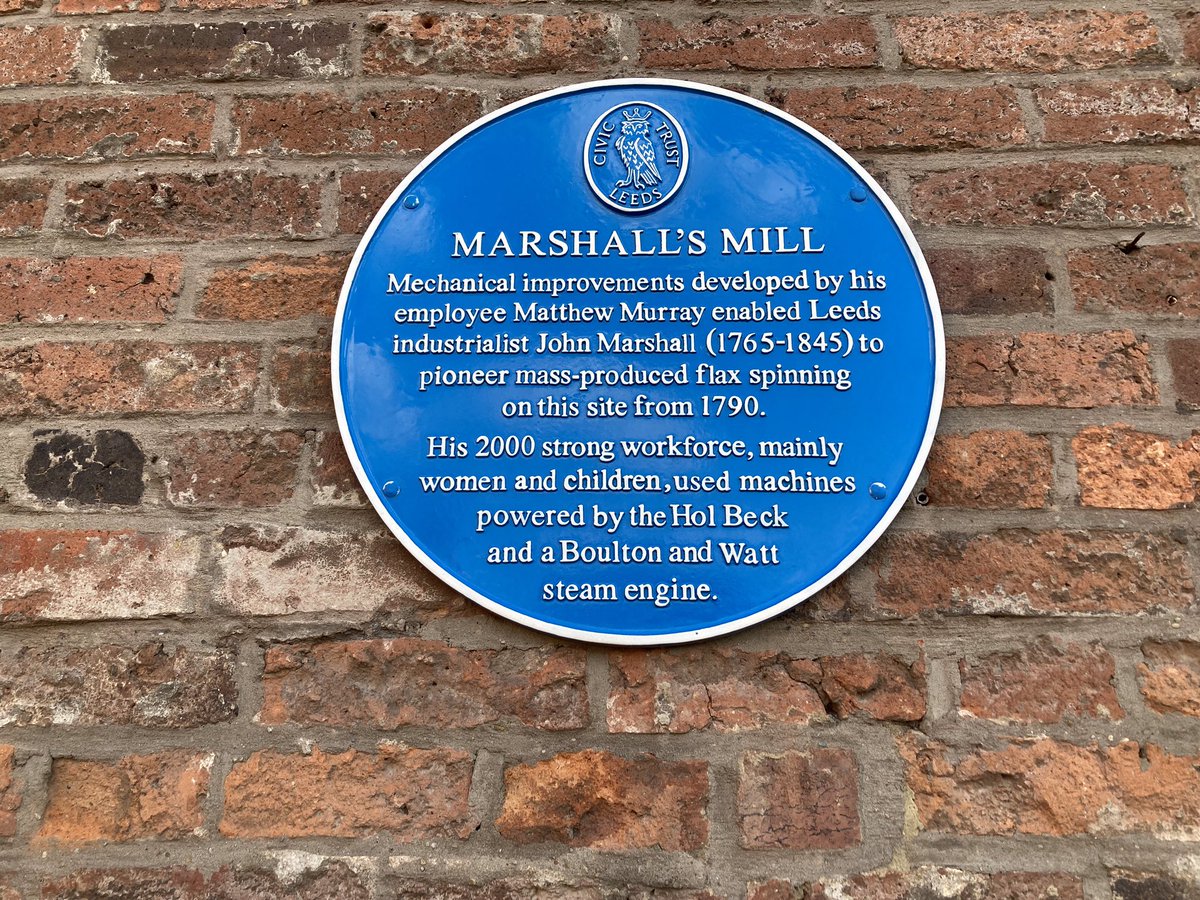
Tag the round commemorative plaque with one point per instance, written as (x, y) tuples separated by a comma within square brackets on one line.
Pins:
[(638, 362)]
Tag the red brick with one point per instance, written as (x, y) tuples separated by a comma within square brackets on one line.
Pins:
[(992, 281), (1189, 23), (759, 42), (406, 681), (212, 5), (31, 54), (1161, 279), (333, 480), (233, 468), (224, 51), (397, 123), (7, 7), (799, 800), (301, 381), (905, 116), (82, 575), (1072, 371), (990, 470), (158, 795), (1054, 41), (1049, 787), (363, 194), (275, 288), (93, 129), (276, 571), (677, 691), (89, 289), (1053, 193), (1017, 572), (1122, 468), (1170, 676), (536, 887), (326, 879), (466, 43), (89, 7), (51, 378), (950, 884), (10, 795), (410, 794), (219, 205), (606, 802), (22, 206), (1185, 371), (1153, 885), (1118, 112), (1047, 681), (143, 685), (775, 889)]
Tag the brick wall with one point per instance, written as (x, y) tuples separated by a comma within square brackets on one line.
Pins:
[(219, 677)]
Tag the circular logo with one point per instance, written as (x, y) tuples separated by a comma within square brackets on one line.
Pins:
[(635, 157)]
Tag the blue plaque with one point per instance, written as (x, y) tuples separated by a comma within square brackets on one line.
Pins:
[(638, 361)]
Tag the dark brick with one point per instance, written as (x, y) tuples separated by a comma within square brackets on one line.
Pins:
[(104, 468), (1185, 369), (991, 282)]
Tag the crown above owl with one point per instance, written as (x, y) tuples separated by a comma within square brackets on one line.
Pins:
[(632, 115)]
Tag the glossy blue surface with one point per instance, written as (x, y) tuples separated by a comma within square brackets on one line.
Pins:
[(747, 169)]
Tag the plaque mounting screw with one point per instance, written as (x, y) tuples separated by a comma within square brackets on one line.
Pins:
[(858, 194), (390, 489), (877, 490), (412, 201)]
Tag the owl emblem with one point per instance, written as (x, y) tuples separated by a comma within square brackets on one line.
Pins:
[(637, 150)]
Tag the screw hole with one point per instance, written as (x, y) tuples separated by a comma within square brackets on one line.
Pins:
[(1049, 276), (922, 498), (1172, 300)]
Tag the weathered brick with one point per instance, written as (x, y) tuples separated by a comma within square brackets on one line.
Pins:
[(1049, 787), (775, 889), (301, 381), (322, 879), (1053, 193), (224, 51), (1001, 281), (1159, 279), (1018, 41), (89, 289), (990, 470), (10, 794), (799, 800), (902, 115), (144, 685), (333, 480), (91, 7), (15, 6), (607, 802), (1184, 356), (1071, 371), (950, 884), (537, 887), (23, 204), (233, 468), (105, 128), (1045, 681), (466, 43), (363, 194), (1153, 886), (1170, 676), (82, 575), (1023, 573), (33, 54), (1122, 468), (1189, 23), (397, 123), (407, 681), (276, 571), (157, 795), (103, 468), (410, 794), (759, 42), (1118, 112), (195, 205), (275, 288), (677, 691), (51, 378)]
